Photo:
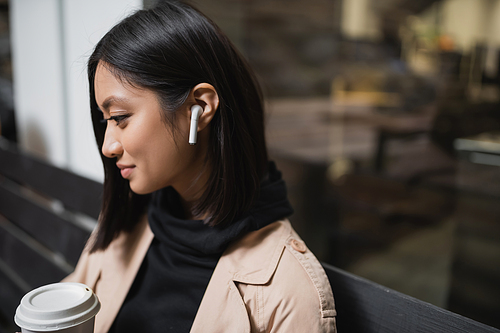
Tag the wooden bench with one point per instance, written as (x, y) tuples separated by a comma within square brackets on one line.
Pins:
[(46, 215), (366, 307)]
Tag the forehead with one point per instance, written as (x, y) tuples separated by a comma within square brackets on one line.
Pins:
[(105, 80), (109, 87)]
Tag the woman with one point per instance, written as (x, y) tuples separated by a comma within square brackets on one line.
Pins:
[(191, 237)]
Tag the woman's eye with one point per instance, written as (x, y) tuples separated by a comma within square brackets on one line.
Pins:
[(118, 119)]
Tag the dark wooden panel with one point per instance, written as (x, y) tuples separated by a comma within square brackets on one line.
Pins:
[(46, 227), (364, 306), (10, 296), (6, 327), (78, 193), (28, 262)]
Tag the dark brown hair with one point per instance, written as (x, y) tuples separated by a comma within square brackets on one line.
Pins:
[(169, 49)]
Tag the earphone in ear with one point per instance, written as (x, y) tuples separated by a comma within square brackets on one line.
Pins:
[(196, 111)]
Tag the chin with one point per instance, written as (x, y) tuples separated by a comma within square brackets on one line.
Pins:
[(146, 185), (141, 190)]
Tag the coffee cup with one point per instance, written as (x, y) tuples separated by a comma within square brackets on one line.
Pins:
[(65, 307)]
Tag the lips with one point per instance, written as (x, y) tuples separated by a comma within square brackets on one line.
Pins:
[(126, 170)]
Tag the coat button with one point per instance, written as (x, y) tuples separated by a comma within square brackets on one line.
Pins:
[(298, 245)]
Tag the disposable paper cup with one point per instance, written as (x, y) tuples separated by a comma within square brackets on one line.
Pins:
[(60, 307)]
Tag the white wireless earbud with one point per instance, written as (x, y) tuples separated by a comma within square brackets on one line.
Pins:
[(196, 111)]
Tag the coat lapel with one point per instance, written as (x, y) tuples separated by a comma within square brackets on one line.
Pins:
[(222, 308), (119, 268), (251, 260)]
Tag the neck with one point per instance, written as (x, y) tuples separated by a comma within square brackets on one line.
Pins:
[(190, 197), (192, 189)]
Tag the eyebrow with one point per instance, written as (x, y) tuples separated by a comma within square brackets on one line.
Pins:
[(113, 100)]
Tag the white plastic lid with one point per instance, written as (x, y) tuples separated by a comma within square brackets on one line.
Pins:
[(56, 306)]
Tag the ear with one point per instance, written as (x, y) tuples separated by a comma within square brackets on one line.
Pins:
[(205, 96)]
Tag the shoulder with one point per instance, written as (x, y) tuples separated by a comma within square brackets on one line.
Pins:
[(297, 257), (123, 253), (292, 293)]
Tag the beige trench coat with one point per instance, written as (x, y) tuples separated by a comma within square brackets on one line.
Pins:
[(268, 281)]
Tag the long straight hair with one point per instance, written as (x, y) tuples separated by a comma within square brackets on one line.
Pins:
[(169, 49)]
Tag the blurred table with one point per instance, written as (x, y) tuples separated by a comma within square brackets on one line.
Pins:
[(318, 130)]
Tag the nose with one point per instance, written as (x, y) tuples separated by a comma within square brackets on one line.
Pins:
[(111, 147)]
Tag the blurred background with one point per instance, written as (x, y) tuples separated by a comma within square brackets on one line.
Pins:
[(383, 116)]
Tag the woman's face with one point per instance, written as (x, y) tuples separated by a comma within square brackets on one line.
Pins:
[(143, 145)]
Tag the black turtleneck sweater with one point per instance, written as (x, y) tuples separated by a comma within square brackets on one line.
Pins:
[(172, 279)]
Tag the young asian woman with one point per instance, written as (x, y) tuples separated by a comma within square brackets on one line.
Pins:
[(191, 237)]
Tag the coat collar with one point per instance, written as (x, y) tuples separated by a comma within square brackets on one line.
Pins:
[(254, 258), (222, 305)]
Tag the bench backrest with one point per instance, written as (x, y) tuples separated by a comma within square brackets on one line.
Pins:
[(46, 216), (364, 306)]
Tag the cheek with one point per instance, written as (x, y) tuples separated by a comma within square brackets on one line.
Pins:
[(146, 138), (156, 153), (172, 163)]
